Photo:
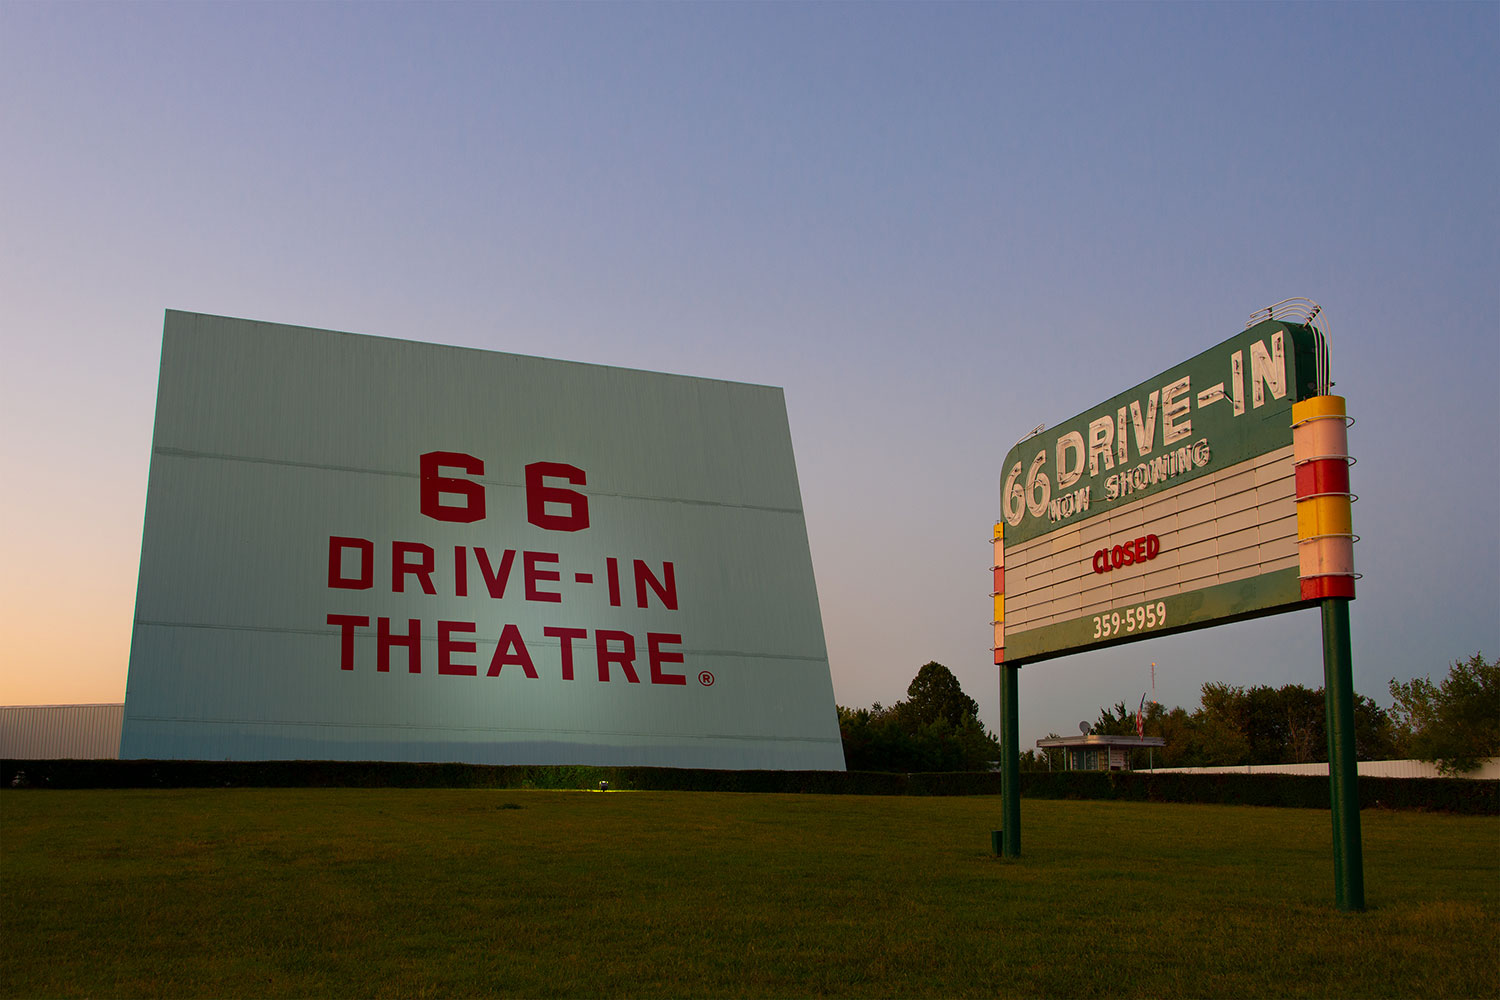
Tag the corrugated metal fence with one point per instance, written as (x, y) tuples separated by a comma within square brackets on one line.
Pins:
[(53, 732), (1488, 770)]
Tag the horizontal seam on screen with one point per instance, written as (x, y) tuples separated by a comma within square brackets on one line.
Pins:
[(185, 453), (485, 729), (547, 641)]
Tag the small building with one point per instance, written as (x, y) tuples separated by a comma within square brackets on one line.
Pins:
[(1092, 752)]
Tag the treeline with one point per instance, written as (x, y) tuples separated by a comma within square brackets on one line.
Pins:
[(1454, 724), (1237, 725)]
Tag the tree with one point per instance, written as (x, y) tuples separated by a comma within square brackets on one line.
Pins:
[(936, 729), (1176, 728), (1219, 733), (1031, 760), (1454, 724), (1117, 721), (934, 694), (1220, 742), (1375, 734), (1044, 758), (1286, 725)]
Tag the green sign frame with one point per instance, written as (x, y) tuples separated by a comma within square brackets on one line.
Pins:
[(1212, 415)]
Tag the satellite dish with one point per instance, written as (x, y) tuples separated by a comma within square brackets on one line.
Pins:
[(1083, 727)]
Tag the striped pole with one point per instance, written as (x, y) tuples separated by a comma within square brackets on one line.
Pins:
[(1325, 540), (1010, 729), (999, 593)]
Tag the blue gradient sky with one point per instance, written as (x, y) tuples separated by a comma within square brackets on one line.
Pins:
[(935, 226)]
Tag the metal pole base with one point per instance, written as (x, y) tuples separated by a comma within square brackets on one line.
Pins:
[(1343, 771)]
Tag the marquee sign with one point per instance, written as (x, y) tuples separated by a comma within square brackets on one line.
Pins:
[(368, 549), (1181, 502)]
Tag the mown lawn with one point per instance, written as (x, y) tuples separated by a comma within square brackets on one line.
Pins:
[(411, 893)]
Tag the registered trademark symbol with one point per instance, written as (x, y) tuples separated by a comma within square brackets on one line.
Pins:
[(706, 679)]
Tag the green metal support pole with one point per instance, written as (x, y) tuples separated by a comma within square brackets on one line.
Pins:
[(1343, 772), (1010, 761)]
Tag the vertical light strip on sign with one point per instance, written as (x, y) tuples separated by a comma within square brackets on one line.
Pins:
[(999, 592), (1325, 535)]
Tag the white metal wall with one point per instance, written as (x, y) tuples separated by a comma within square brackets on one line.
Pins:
[(271, 440), (53, 732)]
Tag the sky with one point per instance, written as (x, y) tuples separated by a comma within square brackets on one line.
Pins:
[(936, 226)]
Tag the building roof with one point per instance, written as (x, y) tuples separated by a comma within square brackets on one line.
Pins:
[(1095, 741)]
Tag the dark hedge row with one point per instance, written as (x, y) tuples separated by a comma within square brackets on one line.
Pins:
[(1455, 795)]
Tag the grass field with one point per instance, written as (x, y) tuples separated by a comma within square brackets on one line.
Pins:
[(413, 893)]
